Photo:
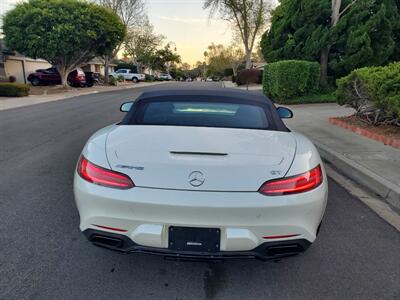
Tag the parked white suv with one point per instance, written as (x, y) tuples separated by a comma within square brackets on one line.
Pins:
[(128, 75), (165, 76)]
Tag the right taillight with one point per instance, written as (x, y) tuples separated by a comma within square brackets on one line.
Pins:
[(295, 184), (102, 176)]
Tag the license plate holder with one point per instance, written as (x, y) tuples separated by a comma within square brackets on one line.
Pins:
[(194, 239)]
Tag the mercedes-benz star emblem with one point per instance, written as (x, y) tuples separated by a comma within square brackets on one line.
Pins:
[(196, 178)]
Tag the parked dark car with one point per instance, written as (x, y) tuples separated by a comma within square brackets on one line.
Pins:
[(51, 76), (90, 78)]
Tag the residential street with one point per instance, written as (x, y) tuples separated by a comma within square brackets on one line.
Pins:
[(43, 254)]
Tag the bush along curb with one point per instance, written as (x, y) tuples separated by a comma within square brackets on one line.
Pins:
[(13, 89), (365, 132)]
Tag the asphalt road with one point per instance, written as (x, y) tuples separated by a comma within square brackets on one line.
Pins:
[(43, 255)]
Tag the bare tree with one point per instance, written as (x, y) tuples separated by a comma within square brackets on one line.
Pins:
[(132, 13), (336, 13), (248, 17)]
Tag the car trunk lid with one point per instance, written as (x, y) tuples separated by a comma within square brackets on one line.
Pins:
[(199, 158)]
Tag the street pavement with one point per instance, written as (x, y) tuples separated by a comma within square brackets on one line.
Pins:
[(43, 255)]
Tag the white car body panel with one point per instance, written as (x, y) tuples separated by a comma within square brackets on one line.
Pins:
[(165, 77), (128, 74), (249, 161)]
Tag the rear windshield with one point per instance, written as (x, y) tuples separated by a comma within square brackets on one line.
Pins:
[(202, 114)]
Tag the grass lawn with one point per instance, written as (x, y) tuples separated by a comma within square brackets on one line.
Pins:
[(314, 98)]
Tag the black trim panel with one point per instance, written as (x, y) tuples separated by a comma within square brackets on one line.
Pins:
[(266, 251)]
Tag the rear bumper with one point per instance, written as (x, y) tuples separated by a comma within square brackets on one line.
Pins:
[(265, 251), (246, 220)]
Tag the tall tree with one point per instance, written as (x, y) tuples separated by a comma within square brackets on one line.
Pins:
[(217, 60), (337, 11), (66, 33), (132, 14), (342, 34), (235, 57), (164, 58), (141, 43), (247, 17)]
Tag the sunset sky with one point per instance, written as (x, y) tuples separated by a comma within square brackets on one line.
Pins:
[(181, 21), (188, 25)]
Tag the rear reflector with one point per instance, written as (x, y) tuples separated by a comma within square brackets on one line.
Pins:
[(101, 176), (294, 184), (111, 228)]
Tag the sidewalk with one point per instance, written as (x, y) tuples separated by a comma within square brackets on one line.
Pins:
[(14, 102), (370, 163)]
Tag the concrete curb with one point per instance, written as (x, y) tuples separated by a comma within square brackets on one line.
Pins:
[(389, 191)]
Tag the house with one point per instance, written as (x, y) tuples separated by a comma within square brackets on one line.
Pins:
[(17, 65), (259, 65), (96, 65)]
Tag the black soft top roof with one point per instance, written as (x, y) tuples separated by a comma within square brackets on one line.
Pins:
[(231, 94)]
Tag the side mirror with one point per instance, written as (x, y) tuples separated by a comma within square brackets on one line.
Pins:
[(284, 113), (125, 107)]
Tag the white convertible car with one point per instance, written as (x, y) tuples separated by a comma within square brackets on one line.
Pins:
[(194, 174)]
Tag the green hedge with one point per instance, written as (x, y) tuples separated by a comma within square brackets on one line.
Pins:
[(287, 79), (378, 87), (13, 89)]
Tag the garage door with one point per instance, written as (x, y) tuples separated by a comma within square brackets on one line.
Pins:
[(14, 68)]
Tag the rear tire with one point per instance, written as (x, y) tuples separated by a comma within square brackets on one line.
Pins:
[(135, 80), (35, 81)]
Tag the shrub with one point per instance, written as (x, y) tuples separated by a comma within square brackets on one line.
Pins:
[(121, 78), (287, 79), (102, 78), (249, 76), (14, 89), (113, 81), (228, 72), (374, 92), (149, 77)]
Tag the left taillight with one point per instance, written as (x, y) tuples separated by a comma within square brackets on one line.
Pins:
[(292, 185), (102, 176)]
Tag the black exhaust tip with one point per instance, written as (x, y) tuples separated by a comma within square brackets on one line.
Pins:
[(106, 241), (291, 249)]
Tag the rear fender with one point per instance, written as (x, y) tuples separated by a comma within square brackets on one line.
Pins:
[(94, 149), (306, 157)]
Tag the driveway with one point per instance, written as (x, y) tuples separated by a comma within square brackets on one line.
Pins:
[(43, 255)]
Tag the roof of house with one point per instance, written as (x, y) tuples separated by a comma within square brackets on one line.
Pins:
[(98, 61)]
